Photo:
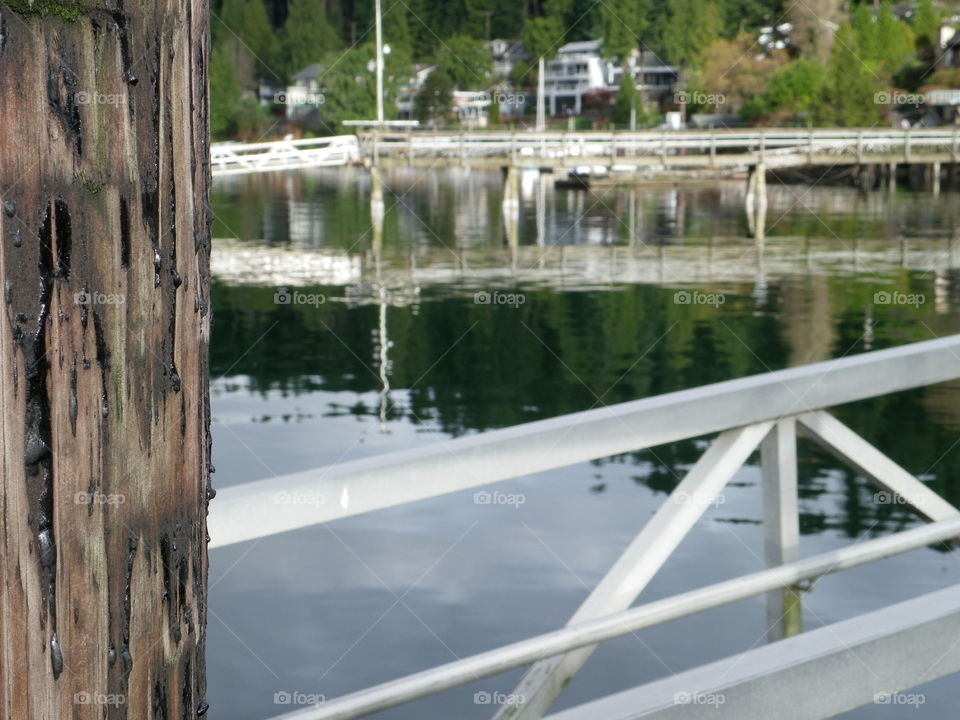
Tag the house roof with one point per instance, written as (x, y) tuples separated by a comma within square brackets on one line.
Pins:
[(310, 72), (583, 46)]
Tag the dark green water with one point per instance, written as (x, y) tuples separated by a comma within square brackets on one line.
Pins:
[(399, 353)]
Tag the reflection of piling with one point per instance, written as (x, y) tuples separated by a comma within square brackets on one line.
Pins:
[(376, 209), (511, 206), (756, 200)]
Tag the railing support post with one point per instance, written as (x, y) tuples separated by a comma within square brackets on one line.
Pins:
[(781, 524)]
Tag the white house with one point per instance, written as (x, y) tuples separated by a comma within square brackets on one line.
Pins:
[(305, 93), (580, 68), (506, 54), (577, 69), (472, 107), (653, 79)]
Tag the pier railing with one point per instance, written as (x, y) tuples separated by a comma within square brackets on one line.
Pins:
[(684, 148), (774, 146), (764, 411)]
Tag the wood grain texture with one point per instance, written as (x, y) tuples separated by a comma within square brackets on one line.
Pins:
[(104, 405)]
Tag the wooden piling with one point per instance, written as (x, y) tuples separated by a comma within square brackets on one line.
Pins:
[(104, 405)]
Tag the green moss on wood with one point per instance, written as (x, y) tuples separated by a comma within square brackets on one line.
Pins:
[(89, 184), (70, 11)]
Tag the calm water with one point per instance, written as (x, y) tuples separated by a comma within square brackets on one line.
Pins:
[(400, 353)]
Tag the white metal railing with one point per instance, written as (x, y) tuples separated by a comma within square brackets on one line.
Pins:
[(236, 158), (764, 410)]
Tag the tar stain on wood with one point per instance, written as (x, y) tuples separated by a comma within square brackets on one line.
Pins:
[(105, 439)]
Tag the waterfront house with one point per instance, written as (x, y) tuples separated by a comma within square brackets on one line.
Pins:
[(506, 54), (580, 70), (304, 94)]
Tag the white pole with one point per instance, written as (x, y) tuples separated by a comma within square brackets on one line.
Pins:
[(379, 65), (541, 92)]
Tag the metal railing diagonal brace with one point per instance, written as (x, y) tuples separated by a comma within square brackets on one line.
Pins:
[(634, 569), (844, 444)]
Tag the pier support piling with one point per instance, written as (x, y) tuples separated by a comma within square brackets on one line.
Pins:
[(104, 402)]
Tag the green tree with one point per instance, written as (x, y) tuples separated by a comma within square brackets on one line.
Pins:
[(306, 37), (350, 88), (895, 40), (257, 34), (692, 25), (865, 38), (796, 86), (225, 93), (466, 61), (627, 100), (623, 23), (850, 91), (792, 90), (542, 37), (926, 25), (435, 99)]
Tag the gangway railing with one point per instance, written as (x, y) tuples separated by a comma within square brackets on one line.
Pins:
[(765, 411), (238, 158)]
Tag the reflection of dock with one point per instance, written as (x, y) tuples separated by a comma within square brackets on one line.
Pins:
[(579, 268)]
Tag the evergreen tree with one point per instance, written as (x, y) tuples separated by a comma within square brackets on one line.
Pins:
[(850, 96), (350, 88), (691, 26), (306, 38), (225, 93), (542, 37), (895, 40), (434, 102), (623, 23), (257, 34), (466, 61), (627, 102), (926, 24)]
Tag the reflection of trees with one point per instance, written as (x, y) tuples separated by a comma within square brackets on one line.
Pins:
[(564, 352)]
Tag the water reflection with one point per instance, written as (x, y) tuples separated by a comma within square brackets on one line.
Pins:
[(616, 289)]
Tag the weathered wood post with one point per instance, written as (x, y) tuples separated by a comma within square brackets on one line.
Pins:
[(104, 409)]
